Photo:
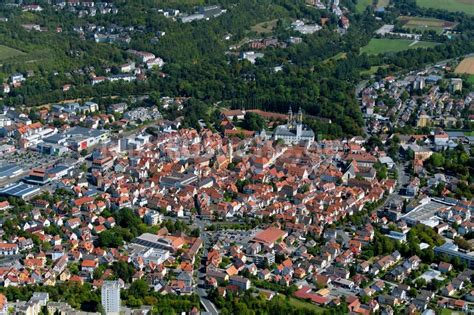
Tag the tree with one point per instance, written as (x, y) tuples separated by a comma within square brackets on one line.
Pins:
[(413, 292), (420, 283), (437, 159), (462, 243), (123, 270), (253, 122), (381, 170), (139, 288), (109, 239)]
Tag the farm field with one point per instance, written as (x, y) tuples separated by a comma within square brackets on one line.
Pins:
[(425, 24), (466, 66), (384, 45), (465, 6), (8, 52)]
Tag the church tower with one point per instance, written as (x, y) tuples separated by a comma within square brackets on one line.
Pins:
[(230, 152), (299, 124), (300, 116), (290, 117)]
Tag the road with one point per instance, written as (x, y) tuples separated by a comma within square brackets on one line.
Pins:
[(199, 289)]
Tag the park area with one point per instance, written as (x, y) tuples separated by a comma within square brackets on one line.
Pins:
[(466, 6), (385, 45), (426, 24), (7, 52)]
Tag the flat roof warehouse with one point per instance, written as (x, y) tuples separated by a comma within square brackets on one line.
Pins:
[(20, 190), (9, 171), (425, 213)]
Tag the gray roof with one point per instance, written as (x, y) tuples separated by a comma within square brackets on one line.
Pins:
[(20, 190)]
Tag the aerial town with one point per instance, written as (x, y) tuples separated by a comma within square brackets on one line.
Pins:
[(213, 213), (147, 173)]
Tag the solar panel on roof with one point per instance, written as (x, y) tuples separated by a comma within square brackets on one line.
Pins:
[(19, 190)]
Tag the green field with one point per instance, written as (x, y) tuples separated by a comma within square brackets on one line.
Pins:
[(362, 5), (383, 45), (7, 52), (446, 311), (373, 70), (470, 79), (425, 24), (383, 3), (336, 57), (264, 27), (306, 305), (466, 6)]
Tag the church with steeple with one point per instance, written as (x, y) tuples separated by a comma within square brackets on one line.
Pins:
[(294, 131)]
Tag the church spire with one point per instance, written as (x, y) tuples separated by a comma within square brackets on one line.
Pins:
[(300, 116)]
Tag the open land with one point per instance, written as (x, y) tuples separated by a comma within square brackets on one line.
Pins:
[(426, 24), (383, 45), (465, 6), (466, 66), (8, 52)]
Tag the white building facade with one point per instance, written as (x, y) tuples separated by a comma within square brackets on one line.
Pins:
[(111, 297)]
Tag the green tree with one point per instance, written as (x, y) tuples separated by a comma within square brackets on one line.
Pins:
[(253, 122)]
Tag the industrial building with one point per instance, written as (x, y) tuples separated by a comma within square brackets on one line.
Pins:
[(10, 171), (20, 190)]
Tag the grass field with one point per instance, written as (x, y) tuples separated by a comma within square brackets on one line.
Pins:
[(470, 79), (336, 57), (383, 3), (425, 24), (306, 305), (446, 311), (466, 66), (373, 70), (7, 52), (384, 45), (264, 27), (465, 6), (362, 5)]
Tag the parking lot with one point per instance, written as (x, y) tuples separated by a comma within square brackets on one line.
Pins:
[(26, 160)]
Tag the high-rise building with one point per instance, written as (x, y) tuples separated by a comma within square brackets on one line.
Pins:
[(111, 297)]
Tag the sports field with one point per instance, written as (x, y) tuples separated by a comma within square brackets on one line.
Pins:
[(466, 6), (8, 52), (425, 24), (466, 66), (384, 45)]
